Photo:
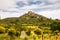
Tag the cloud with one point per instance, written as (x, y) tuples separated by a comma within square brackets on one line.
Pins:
[(21, 4), (10, 8), (6, 4), (11, 5), (53, 1), (54, 14), (40, 4), (12, 14), (7, 14)]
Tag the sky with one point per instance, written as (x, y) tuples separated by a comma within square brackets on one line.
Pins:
[(16, 8)]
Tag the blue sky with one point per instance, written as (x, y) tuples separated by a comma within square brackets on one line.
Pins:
[(16, 8)]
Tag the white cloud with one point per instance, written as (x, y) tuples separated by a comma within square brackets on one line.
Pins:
[(55, 4), (6, 4), (55, 14), (10, 6), (53, 1), (12, 14), (7, 14)]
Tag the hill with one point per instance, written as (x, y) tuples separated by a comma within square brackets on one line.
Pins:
[(29, 18), (31, 23)]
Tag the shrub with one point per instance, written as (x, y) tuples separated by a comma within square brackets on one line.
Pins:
[(11, 32), (2, 29), (38, 32)]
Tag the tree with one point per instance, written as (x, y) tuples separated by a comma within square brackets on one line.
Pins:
[(55, 26)]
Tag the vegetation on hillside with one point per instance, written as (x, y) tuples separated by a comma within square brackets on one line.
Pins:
[(32, 24)]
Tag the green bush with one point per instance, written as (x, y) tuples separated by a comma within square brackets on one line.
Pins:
[(11, 32), (2, 29), (38, 32)]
